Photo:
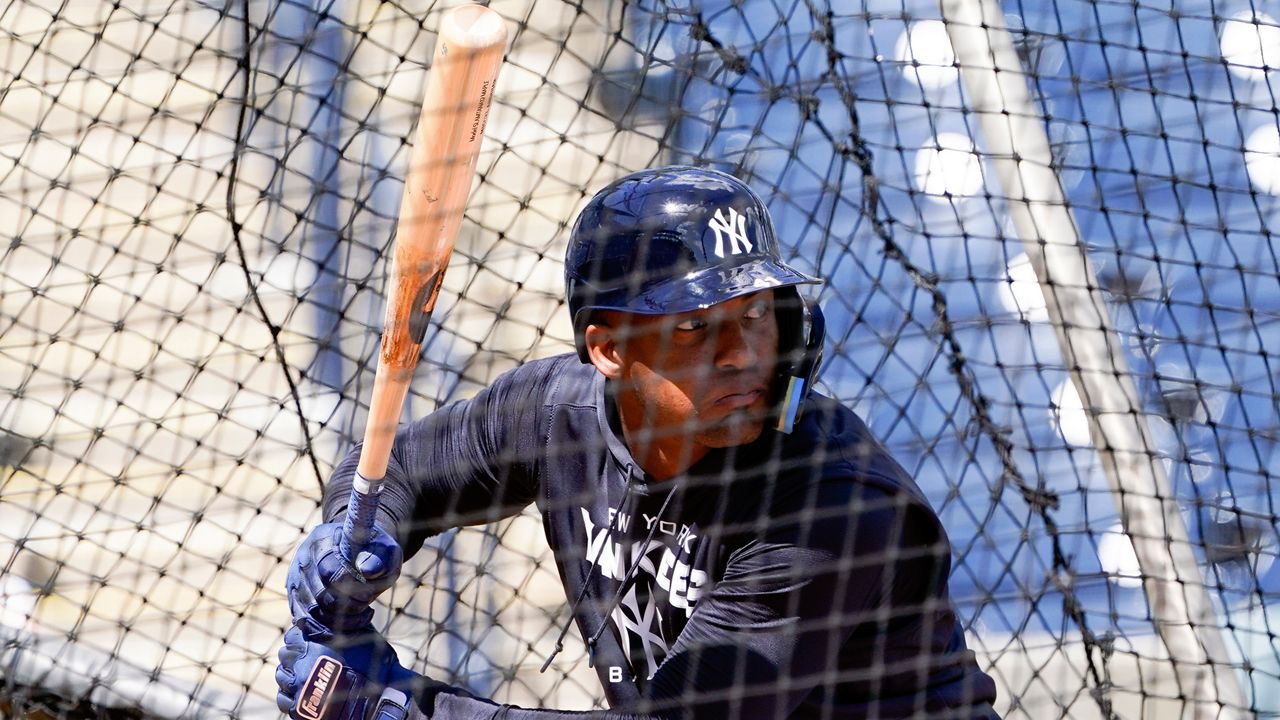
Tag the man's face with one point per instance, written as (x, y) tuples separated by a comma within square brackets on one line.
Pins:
[(703, 376)]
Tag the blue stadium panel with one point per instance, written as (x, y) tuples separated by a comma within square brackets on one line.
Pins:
[(1162, 199)]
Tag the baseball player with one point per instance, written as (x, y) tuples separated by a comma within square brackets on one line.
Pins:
[(732, 545)]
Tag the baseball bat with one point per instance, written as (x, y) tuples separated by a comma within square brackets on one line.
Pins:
[(455, 107)]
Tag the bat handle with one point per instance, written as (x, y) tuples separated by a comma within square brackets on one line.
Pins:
[(361, 511)]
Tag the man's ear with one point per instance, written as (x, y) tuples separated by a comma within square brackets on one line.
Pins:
[(602, 348)]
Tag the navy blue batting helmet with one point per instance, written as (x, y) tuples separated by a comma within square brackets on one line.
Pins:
[(670, 240), (679, 238)]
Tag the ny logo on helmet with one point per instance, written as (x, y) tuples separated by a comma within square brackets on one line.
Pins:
[(735, 227)]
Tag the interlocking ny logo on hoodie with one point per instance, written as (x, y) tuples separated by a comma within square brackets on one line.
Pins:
[(655, 586)]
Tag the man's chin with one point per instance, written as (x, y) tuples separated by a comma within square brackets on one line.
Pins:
[(737, 429)]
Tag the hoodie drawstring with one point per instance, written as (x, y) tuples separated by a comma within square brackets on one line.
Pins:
[(631, 571), (586, 583)]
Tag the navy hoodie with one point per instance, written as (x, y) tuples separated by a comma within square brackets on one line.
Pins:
[(803, 575)]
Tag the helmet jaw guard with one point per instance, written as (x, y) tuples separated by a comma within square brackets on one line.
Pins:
[(680, 238)]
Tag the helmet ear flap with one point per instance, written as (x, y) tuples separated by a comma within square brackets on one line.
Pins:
[(581, 320), (802, 330)]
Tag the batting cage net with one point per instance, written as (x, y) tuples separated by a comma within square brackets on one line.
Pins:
[(1051, 289)]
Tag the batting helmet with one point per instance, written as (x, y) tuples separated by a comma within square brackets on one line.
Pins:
[(675, 239)]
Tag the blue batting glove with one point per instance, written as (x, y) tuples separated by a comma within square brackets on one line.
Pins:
[(327, 596), (353, 677)]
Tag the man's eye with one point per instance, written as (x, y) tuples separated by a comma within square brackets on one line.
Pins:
[(690, 325), (756, 311)]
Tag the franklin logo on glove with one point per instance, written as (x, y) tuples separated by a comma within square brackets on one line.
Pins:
[(318, 688)]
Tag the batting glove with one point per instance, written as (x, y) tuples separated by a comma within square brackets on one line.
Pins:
[(328, 596), (353, 677)]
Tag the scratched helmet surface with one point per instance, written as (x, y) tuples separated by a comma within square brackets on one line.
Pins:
[(669, 240)]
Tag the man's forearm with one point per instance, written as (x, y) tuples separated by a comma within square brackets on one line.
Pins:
[(451, 703)]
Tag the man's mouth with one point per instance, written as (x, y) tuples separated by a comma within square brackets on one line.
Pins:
[(734, 401)]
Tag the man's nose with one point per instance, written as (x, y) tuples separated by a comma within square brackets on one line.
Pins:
[(734, 349)]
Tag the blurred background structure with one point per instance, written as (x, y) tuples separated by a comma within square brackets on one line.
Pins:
[(196, 197)]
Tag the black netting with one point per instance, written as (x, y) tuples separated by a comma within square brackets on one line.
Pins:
[(197, 206)]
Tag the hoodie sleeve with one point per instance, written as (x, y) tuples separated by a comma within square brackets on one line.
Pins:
[(840, 604), (468, 463)]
